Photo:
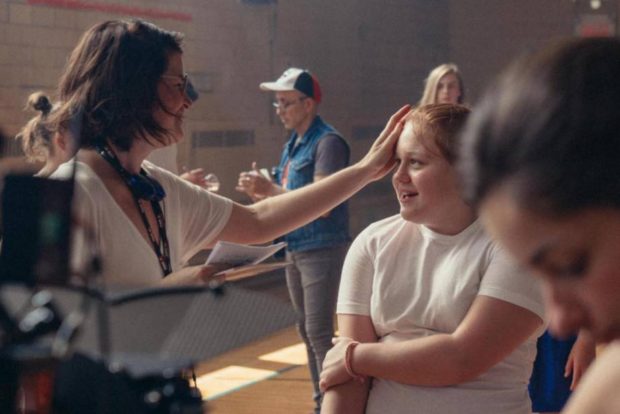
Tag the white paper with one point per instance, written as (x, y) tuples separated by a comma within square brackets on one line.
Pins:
[(237, 255), (265, 173)]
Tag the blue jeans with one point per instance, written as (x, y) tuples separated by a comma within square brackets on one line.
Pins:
[(313, 279)]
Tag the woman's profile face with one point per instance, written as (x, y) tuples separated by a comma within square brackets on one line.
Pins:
[(171, 90), (448, 89), (576, 255)]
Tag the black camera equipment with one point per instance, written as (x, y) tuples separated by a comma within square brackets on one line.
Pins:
[(38, 373), (36, 225), (35, 248)]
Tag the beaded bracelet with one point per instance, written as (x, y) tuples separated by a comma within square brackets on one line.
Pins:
[(348, 357)]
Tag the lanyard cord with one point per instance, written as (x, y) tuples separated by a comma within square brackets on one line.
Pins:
[(161, 248)]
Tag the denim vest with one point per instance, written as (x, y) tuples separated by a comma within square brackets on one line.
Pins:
[(325, 231)]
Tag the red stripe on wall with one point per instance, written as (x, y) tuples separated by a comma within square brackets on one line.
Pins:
[(113, 8)]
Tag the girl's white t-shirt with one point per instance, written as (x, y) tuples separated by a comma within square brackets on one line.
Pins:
[(413, 283)]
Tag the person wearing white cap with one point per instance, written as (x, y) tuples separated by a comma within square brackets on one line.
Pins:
[(314, 150)]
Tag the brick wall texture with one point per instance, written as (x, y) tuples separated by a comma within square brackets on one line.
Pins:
[(371, 56)]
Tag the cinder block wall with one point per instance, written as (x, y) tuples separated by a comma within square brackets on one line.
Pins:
[(486, 35), (371, 56)]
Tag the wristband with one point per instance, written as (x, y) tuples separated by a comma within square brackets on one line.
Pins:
[(348, 358)]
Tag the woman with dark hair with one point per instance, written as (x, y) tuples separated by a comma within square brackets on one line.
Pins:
[(541, 161), (426, 297), (126, 89)]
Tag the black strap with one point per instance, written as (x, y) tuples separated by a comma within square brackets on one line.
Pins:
[(161, 248)]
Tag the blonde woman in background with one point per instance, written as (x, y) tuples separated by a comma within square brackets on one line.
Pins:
[(540, 161), (41, 142), (443, 85)]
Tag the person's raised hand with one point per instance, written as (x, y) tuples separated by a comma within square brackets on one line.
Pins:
[(195, 176), (581, 356), (254, 184)]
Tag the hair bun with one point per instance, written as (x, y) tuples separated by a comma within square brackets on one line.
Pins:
[(40, 102)]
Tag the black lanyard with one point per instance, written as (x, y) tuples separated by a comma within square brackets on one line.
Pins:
[(161, 248)]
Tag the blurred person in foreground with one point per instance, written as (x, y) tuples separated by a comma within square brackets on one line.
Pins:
[(540, 159), (559, 363)]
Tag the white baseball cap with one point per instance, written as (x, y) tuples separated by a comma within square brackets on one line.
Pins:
[(295, 79)]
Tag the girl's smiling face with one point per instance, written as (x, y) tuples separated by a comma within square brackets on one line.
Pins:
[(425, 182)]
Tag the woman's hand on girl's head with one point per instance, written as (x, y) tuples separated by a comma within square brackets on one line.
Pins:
[(380, 157), (334, 371)]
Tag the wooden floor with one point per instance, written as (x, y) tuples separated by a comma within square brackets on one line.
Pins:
[(239, 382), (286, 390)]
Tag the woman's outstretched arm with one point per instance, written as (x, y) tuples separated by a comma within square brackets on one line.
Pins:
[(275, 216)]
